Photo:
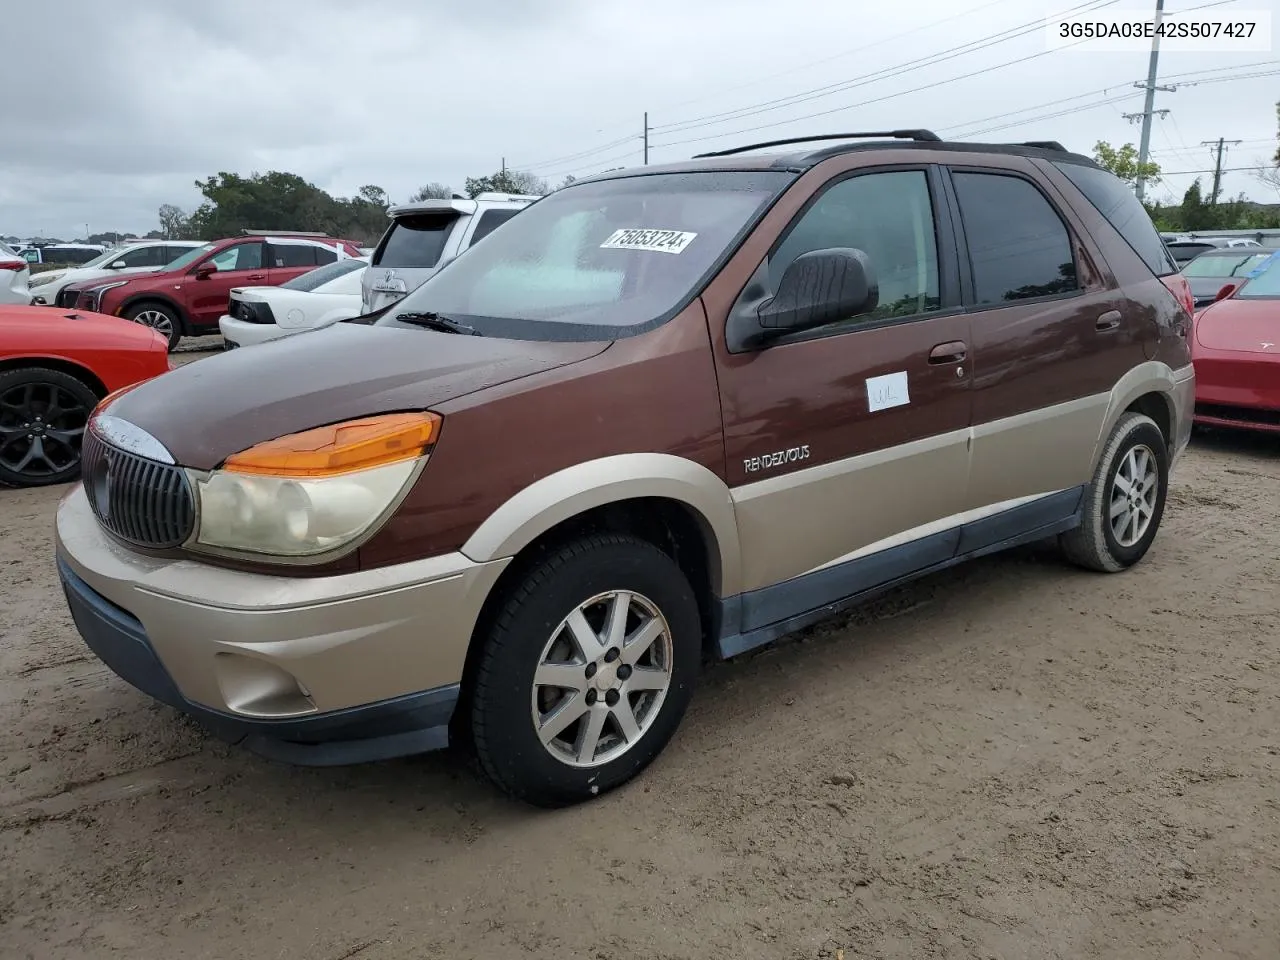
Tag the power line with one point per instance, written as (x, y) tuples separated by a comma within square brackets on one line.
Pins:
[(816, 93)]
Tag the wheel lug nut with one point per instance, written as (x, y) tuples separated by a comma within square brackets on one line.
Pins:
[(612, 655), (624, 671), (591, 670), (591, 698), (612, 698)]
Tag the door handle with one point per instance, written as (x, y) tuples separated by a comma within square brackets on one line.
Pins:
[(952, 352), (1108, 321), (257, 276)]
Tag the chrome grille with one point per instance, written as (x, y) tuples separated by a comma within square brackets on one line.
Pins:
[(147, 503)]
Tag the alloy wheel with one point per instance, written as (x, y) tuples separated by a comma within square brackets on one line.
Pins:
[(602, 678), (41, 427), (1133, 495)]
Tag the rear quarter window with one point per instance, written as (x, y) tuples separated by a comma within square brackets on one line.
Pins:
[(416, 240), (1115, 200), (490, 220)]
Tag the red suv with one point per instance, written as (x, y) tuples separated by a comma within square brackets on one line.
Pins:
[(188, 297)]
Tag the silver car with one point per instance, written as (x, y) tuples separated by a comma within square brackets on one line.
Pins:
[(427, 234)]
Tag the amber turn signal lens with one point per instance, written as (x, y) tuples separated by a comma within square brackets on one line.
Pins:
[(341, 447)]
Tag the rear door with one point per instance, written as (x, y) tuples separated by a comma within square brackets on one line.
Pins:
[(845, 441), (407, 254), (239, 265), (291, 260), (1052, 335)]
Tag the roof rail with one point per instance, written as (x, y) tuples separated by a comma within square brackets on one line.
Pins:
[(925, 135), (284, 233), (1044, 145)]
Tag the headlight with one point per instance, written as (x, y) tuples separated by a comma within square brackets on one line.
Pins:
[(40, 279), (315, 492), (95, 293)]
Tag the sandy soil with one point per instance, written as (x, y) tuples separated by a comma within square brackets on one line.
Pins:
[(1010, 760)]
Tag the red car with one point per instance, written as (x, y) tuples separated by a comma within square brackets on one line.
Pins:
[(55, 365), (188, 296), (1236, 352)]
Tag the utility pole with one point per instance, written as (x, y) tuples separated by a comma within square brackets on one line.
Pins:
[(646, 138), (504, 168), (1217, 166), (1151, 88)]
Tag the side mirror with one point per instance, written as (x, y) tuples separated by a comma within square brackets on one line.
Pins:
[(206, 270), (820, 287), (1226, 291), (116, 265)]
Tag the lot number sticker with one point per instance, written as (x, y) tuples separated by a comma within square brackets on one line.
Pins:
[(887, 391), (655, 241)]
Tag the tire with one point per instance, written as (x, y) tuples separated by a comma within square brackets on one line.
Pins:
[(160, 317), (531, 624), (43, 413), (1096, 544)]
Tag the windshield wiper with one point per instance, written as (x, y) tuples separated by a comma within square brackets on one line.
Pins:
[(434, 321)]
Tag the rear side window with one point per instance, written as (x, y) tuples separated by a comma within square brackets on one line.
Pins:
[(415, 241), (1019, 246), (489, 220), (293, 255), (143, 257), (1113, 199)]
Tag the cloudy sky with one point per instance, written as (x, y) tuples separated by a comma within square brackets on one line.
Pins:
[(115, 108)]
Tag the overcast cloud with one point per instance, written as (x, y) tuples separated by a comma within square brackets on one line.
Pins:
[(115, 108)]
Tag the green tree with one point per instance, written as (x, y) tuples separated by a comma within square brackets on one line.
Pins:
[(432, 191), (507, 181), (1123, 162), (173, 222)]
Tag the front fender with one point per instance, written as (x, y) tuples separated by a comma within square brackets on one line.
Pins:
[(572, 491)]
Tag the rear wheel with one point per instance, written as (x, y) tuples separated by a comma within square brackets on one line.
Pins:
[(1124, 503), (160, 318), (43, 414), (586, 671)]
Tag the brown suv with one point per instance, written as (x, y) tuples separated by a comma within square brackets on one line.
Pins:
[(665, 413)]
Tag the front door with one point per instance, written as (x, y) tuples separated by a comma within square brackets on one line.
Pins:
[(849, 440), (239, 265)]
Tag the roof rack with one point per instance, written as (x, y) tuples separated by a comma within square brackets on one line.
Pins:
[(925, 135), (284, 233), (1044, 145)]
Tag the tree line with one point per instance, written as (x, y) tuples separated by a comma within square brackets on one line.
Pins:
[(276, 200)]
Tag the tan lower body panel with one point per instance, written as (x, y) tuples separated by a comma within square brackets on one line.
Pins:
[(802, 521), (247, 644)]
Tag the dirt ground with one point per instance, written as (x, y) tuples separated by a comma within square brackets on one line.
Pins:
[(1011, 760)]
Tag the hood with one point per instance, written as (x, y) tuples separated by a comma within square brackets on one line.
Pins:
[(50, 328), (205, 411), (1243, 326)]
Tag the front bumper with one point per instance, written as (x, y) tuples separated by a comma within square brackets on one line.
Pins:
[(244, 334), (316, 671)]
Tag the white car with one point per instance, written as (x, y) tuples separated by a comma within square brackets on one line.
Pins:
[(136, 258), (318, 298), (14, 274)]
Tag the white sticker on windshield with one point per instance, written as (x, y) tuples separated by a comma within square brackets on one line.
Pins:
[(656, 241)]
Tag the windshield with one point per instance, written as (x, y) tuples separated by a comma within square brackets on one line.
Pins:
[(1212, 265), (322, 275), (187, 259), (1263, 282), (601, 256)]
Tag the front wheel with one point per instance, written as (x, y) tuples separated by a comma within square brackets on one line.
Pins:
[(1124, 502), (43, 414), (586, 671), (159, 318)]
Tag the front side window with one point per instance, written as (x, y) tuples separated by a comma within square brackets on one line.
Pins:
[(593, 258), (1019, 247), (242, 256), (889, 217), (143, 257)]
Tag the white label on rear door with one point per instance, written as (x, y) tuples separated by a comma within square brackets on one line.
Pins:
[(887, 391), (655, 241)]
